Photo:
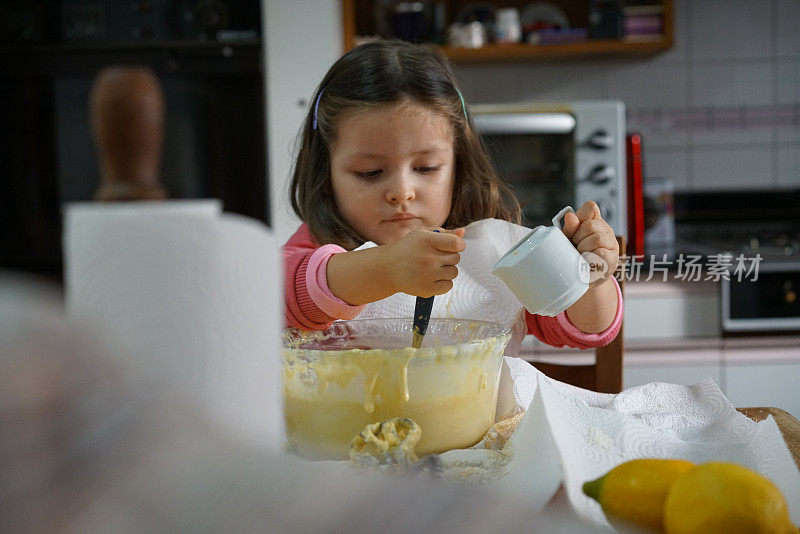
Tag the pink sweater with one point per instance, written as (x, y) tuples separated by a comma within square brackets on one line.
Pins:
[(310, 305)]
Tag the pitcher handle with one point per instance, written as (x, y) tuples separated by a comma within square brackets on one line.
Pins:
[(560, 215)]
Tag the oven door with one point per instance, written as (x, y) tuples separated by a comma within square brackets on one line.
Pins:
[(535, 153), (767, 304)]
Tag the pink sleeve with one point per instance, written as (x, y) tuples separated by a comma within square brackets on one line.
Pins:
[(559, 331), (309, 303)]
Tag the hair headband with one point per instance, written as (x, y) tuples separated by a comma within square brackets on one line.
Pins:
[(316, 106), (463, 105), (319, 95)]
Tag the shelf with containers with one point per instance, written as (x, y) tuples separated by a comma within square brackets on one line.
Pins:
[(577, 30)]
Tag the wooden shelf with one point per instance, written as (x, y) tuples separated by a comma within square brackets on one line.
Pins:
[(585, 50), (591, 49)]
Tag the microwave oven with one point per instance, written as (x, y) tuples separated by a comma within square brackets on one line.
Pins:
[(766, 303), (555, 155)]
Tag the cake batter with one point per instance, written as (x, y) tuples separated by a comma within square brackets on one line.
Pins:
[(449, 391)]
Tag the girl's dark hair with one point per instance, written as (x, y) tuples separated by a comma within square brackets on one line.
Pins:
[(375, 74)]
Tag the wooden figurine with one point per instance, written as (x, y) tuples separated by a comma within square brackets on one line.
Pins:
[(126, 109)]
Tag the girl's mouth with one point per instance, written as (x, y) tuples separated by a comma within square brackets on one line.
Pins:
[(401, 218)]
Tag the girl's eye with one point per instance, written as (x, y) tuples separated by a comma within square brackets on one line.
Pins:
[(368, 174), (428, 169)]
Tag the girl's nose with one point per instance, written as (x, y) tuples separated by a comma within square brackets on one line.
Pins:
[(400, 190)]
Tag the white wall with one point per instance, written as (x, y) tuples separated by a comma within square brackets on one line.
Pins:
[(730, 58), (728, 55), (301, 41)]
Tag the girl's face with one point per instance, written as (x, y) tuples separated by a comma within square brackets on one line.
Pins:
[(392, 170)]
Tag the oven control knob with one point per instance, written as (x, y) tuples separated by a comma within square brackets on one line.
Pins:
[(600, 140), (601, 174)]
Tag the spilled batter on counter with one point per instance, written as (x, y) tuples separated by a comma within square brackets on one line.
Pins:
[(390, 441)]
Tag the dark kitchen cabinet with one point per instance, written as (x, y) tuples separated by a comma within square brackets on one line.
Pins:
[(214, 144)]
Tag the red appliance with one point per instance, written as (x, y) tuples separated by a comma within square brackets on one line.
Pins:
[(635, 196)]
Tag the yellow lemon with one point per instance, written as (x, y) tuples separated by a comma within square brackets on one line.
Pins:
[(724, 497), (636, 490)]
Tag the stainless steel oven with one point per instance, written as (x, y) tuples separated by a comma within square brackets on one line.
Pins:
[(559, 154)]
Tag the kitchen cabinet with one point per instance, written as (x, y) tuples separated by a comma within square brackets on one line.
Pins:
[(358, 18), (171, 57), (671, 310), (674, 361), (764, 384), (679, 363), (763, 372), (673, 334), (751, 371), (670, 374), (213, 92)]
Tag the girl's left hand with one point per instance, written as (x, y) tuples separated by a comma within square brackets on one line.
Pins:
[(590, 233)]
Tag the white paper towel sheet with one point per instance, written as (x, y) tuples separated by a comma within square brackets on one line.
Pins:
[(572, 435), (191, 296)]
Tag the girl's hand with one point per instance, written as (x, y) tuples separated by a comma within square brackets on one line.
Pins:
[(590, 233), (423, 263)]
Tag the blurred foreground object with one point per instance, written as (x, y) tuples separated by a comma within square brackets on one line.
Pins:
[(126, 112), (88, 445)]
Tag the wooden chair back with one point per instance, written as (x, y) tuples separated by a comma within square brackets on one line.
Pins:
[(605, 374)]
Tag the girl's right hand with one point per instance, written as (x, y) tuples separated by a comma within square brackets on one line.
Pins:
[(423, 263)]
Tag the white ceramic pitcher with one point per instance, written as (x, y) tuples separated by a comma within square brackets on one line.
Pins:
[(545, 270)]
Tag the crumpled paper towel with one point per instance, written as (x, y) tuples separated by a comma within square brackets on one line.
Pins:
[(572, 435)]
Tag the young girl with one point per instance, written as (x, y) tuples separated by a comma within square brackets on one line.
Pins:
[(388, 155)]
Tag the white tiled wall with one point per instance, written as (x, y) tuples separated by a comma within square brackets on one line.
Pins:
[(734, 166), (788, 42), (728, 54), (735, 29)]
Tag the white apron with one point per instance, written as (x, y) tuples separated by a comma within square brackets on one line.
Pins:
[(477, 294)]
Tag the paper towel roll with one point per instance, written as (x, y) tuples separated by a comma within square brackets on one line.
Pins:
[(190, 296)]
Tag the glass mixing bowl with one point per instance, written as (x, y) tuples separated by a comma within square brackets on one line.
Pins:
[(365, 371)]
